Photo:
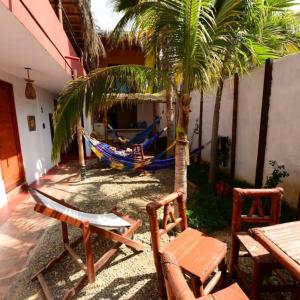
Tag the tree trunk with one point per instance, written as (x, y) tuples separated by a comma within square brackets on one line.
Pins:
[(181, 151), (80, 150), (200, 125), (170, 121), (105, 125), (214, 136)]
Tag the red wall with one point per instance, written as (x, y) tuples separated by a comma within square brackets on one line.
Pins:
[(40, 19)]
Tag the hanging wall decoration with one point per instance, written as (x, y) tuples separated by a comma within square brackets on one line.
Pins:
[(30, 92), (31, 123)]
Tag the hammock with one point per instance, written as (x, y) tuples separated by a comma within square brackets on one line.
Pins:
[(139, 137), (126, 162), (148, 143)]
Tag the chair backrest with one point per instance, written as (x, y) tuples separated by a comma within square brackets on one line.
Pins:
[(169, 220), (259, 212)]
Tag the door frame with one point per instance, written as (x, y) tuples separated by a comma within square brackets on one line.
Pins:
[(9, 86)]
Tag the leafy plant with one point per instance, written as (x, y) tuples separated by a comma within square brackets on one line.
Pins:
[(278, 174)]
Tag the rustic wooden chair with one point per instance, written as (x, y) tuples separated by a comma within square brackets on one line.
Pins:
[(200, 256), (177, 287), (112, 226), (138, 152), (264, 209)]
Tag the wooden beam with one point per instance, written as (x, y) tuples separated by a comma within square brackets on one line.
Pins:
[(264, 118), (234, 125)]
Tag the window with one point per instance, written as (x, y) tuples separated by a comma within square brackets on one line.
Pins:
[(123, 116)]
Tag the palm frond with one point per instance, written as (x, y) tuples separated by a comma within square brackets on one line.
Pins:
[(94, 91), (93, 48)]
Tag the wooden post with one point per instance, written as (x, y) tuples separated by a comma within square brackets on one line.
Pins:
[(155, 127), (200, 124), (264, 118), (105, 124), (234, 125), (81, 150), (59, 10)]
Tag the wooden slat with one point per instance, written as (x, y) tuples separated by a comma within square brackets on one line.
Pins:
[(76, 258), (45, 287)]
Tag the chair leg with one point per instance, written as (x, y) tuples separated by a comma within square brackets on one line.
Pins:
[(197, 287), (223, 269), (160, 278), (234, 255), (64, 230), (88, 252), (257, 283)]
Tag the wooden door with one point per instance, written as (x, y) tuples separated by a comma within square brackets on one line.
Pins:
[(10, 150)]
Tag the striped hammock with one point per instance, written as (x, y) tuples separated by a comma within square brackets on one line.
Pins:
[(126, 162)]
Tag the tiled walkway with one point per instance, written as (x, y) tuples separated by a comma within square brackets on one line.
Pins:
[(21, 227)]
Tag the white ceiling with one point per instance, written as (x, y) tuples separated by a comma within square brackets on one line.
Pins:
[(20, 49)]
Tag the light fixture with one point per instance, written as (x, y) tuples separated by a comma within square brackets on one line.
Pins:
[(30, 92)]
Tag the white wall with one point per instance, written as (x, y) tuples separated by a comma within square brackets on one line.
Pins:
[(283, 142), (35, 145)]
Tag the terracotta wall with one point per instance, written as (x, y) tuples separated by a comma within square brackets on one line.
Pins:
[(283, 143), (123, 56)]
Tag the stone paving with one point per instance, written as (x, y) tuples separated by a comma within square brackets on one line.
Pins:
[(21, 227)]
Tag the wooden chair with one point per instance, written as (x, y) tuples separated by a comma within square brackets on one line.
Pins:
[(200, 256), (112, 226), (178, 289), (138, 152), (264, 209)]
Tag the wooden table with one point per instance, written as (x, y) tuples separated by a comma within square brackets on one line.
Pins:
[(283, 242)]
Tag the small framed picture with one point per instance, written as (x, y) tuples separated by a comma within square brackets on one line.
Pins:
[(31, 123)]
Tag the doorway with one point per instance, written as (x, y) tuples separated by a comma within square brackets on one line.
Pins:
[(10, 151)]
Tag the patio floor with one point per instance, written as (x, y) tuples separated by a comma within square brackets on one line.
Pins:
[(21, 227)]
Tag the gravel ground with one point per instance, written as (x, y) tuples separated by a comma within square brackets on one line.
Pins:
[(130, 275)]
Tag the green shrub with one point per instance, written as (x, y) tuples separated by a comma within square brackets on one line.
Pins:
[(279, 172)]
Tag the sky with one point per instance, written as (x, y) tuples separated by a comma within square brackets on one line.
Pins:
[(104, 15), (107, 19)]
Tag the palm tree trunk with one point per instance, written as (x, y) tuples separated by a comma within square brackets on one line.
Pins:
[(212, 176), (170, 121), (181, 151), (80, 150)]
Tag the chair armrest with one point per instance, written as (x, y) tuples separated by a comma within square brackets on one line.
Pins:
[(177, 287)]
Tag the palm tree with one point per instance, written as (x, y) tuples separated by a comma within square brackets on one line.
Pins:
[(190, 56), (267, 29), (93, 50), (161, 63), (193, 59)]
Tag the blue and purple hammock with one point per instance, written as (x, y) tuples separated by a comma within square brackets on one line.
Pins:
[(121, 161), (138, 138)]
